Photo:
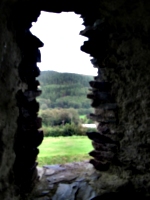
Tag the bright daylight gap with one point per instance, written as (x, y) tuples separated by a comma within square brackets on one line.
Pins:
[(65, 110)]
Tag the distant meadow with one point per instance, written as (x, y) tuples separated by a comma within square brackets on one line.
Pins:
[(64, 109)]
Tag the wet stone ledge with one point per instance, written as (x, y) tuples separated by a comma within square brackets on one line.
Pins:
[(68, 181)]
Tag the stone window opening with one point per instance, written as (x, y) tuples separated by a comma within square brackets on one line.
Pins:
[(54, 52), (29, 123), (118, 40)]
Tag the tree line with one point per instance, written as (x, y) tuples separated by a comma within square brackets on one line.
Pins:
[(65, 90)]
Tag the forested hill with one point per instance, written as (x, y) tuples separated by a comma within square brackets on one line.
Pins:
[(52, 77), (64, 90)]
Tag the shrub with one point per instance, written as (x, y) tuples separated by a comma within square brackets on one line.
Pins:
[(85, 120), (85, 111), (64, 130), (44, 106), (54, 117), (72, 129)]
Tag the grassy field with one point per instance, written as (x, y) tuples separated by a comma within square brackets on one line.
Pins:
[(82, 116), (60, 150)]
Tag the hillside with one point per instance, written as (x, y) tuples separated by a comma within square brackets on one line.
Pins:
[(52, 77), (64, 90)]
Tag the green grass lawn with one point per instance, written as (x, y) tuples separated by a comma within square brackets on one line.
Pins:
[(82, 116), (60, 150)]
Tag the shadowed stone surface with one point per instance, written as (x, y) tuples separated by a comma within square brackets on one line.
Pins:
[(118, 40), (69, 181)]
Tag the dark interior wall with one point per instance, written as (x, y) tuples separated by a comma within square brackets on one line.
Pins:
[(118, 33), (28, 137), (120, 43), (9, 85)]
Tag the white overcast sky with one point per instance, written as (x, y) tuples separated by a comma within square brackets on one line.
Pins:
[(61, 51)]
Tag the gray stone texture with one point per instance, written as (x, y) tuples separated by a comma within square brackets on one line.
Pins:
[(9, 85), (118, 40)]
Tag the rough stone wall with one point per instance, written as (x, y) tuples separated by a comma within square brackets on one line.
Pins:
[(19, 135), (28, 136), (118, 33), (119, 42), (9, 85)]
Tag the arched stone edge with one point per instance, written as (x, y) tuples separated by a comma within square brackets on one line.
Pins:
[(28, 136)]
